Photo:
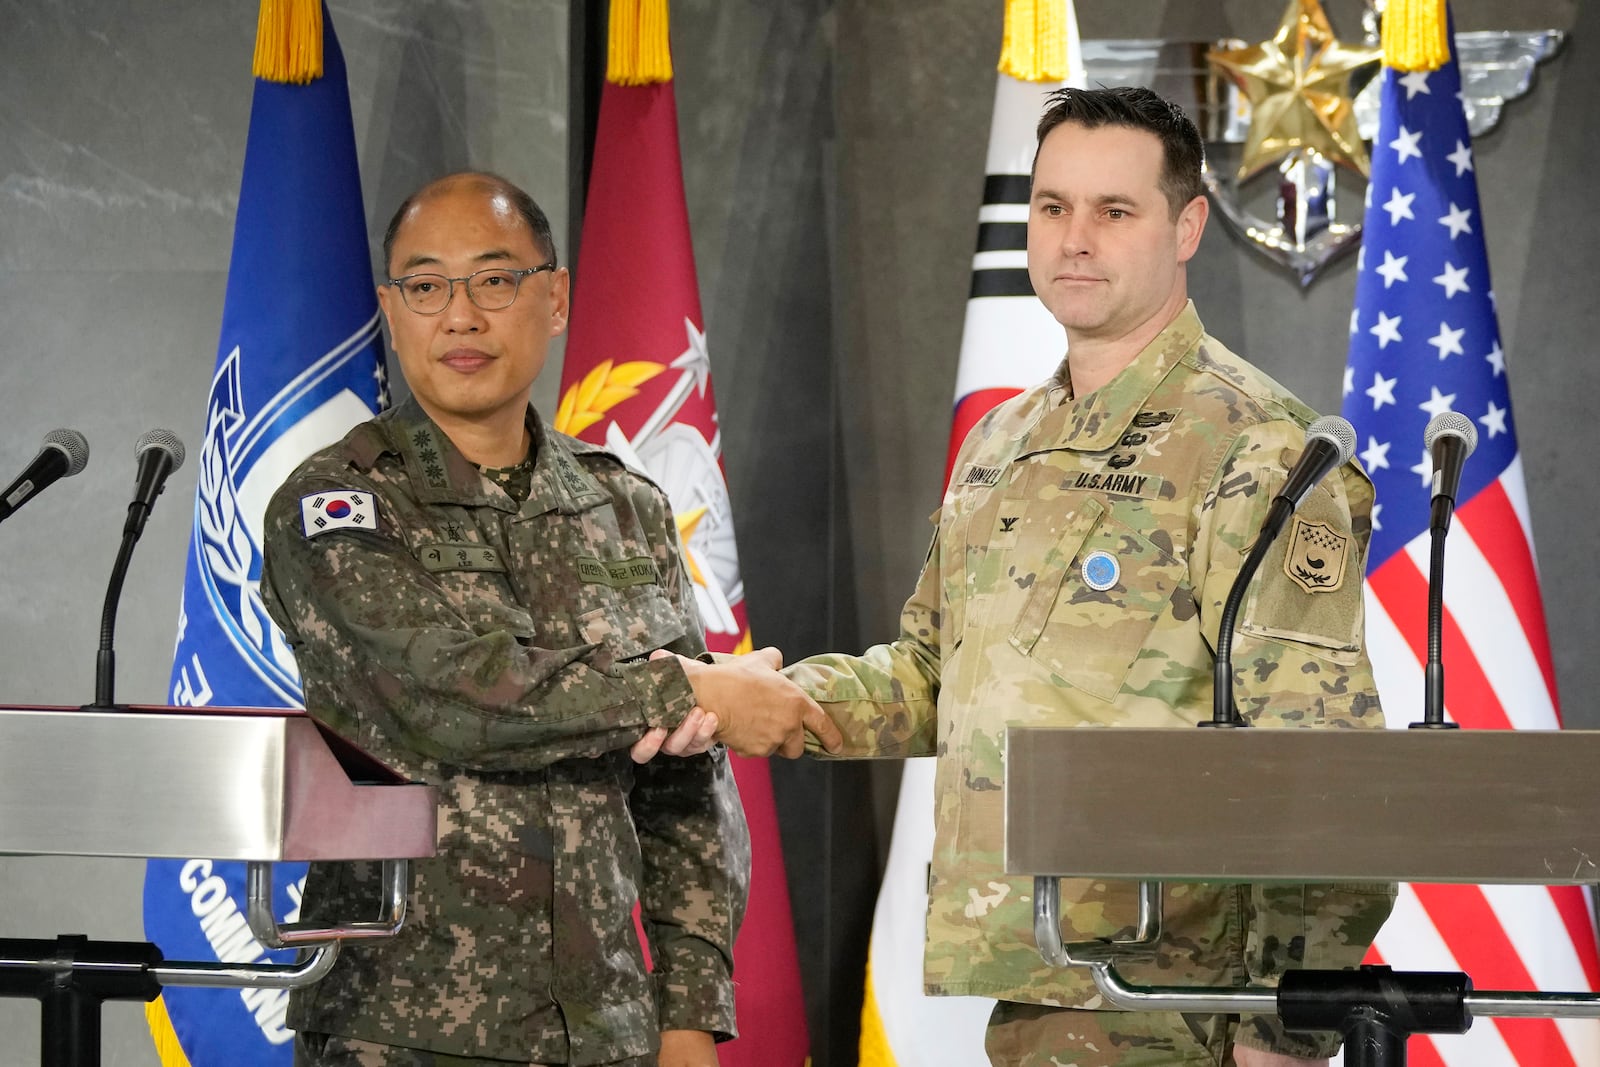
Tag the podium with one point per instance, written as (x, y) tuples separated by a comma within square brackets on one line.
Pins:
[(1303, 805), (255, 785)]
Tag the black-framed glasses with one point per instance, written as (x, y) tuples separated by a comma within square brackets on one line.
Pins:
[(491, 289)]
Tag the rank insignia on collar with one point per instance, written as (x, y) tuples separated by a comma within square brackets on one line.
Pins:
[(337, 509), (1315, 559)]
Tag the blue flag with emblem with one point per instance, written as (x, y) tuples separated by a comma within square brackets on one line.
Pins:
[(299, 362)]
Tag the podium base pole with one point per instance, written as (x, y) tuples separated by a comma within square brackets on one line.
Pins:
[(1375, 1008), (71, 977)]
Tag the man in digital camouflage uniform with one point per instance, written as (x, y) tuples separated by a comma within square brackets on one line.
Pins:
[(473, 598), (1086, 543)]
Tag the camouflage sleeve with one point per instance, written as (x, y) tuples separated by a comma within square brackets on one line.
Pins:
[(358, 607), (696, 850), (884, 701), (1300, 660)]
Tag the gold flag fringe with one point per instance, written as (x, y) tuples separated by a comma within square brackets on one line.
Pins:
[(1415, 35), (168, 1050), (1035, 48), (638, 52), (289, 41)]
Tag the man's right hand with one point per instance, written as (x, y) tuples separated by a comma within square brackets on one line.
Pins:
[(759, 711)]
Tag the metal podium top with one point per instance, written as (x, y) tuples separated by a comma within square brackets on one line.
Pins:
[(223, 783), (1304, 805)]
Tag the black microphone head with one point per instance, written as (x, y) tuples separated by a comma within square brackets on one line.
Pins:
[(1336, 431), (1451, 424), (166, 441), (72, 443)]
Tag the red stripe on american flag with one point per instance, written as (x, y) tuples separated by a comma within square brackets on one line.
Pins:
[(1575, 917), (969, 409), (1403, 590), (1481, 948), (1494, 526)]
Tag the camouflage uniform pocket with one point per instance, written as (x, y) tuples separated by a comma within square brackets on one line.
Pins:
[(1098, 594)]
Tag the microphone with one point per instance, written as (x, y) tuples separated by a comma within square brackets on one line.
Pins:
[(1330, 442), (159, 453), (1449, 439), (63, 454)]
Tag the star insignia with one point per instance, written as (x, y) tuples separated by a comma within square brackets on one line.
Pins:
[(1299, 88), (687, 523)]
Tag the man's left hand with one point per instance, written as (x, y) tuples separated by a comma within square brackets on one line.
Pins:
[(687, 1048), (1254, 1057)]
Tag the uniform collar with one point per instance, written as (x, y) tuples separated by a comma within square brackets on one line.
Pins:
[(1095, 422), (440, 474)]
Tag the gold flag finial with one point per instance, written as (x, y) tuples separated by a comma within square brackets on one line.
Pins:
[(289, 41), (1415, 35), (1035, 48), (638, 51)]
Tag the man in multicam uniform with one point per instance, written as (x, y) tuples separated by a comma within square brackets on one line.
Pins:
[(1090, 534), (474, 598)]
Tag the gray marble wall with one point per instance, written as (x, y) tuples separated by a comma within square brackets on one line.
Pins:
[(833, 153)]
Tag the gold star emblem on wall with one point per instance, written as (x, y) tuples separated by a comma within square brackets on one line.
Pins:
[(1298, 85)]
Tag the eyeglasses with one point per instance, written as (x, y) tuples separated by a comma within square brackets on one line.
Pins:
[(490, 290)]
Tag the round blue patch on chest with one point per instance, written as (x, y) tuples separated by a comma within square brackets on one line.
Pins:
[(1100, 570)]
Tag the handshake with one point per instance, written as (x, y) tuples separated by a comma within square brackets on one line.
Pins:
[(744, 703)]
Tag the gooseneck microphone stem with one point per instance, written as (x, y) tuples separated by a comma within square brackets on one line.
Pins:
[(1224, 713), (159, 453), (1433, 672), (105, 664), (1449, 439)]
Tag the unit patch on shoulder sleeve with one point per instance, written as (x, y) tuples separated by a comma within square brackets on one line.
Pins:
[(1315, 558), (337, 509)]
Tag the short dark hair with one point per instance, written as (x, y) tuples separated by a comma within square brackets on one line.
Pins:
[(530, 211), (1134, 106)]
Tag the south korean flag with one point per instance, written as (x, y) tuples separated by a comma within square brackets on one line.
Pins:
[(337, 509)]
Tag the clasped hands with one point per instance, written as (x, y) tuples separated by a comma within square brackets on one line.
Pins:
[(744, 703)]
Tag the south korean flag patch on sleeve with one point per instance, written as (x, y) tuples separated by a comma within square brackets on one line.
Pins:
[(337, 509)]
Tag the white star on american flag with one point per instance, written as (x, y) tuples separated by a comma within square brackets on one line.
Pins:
[(1393, 269), (1497, 359), (1399, 206), (1448, 341), (1462, 158), (1387, 329), (1406, 144), (1438, 403), (1454, 280), (1415, 82), (1375, 455), (1459, 220), (1424, 468), (1494, 420), (1382, 391)]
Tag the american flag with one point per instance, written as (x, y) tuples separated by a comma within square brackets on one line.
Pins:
[(1424, 339)]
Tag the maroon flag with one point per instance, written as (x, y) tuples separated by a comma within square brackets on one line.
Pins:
[(637, 378)]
